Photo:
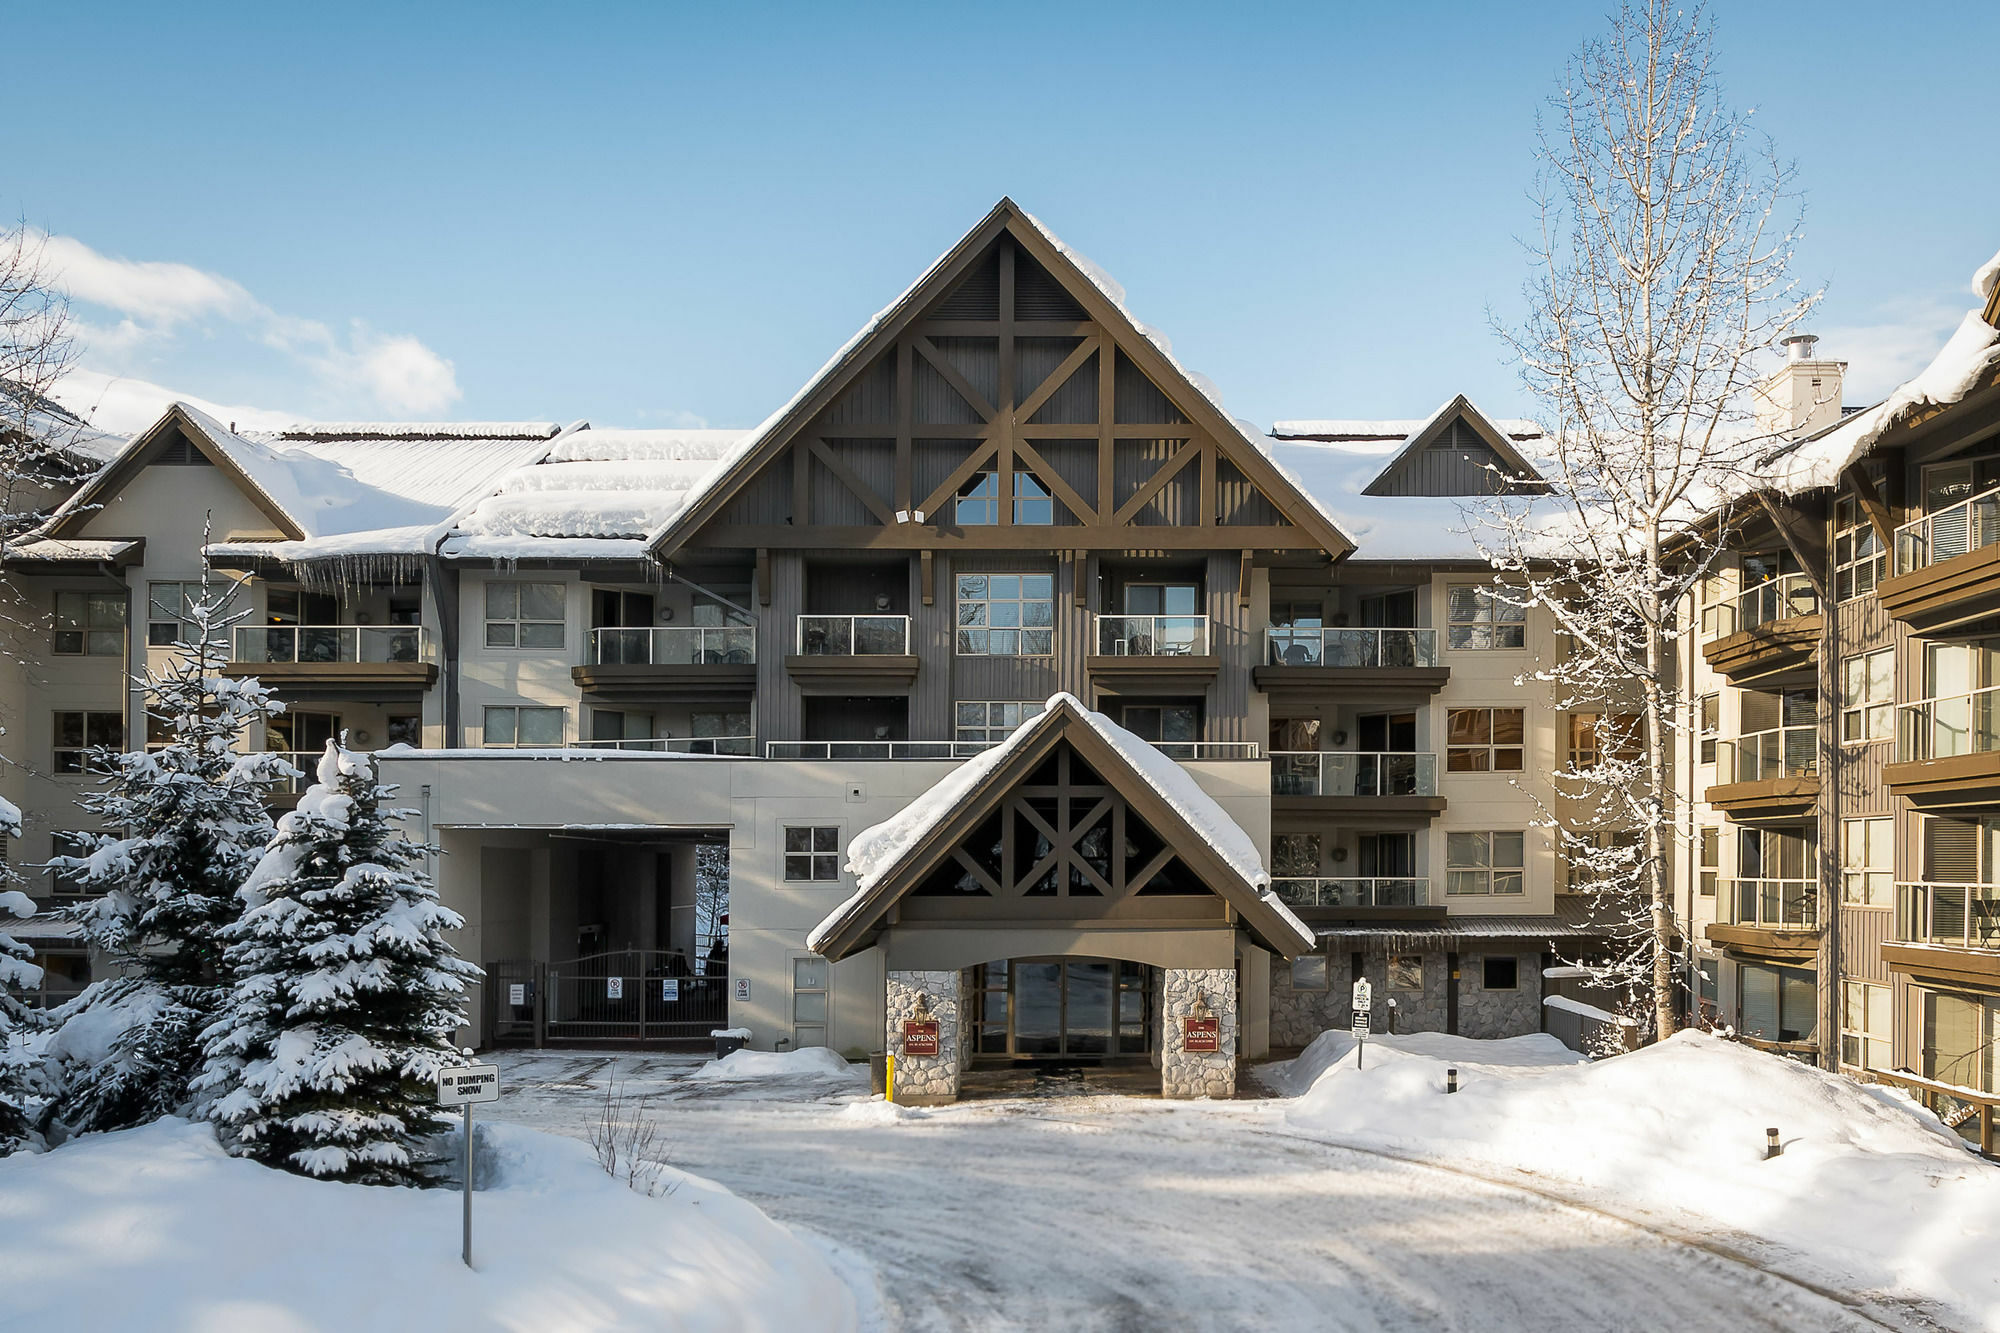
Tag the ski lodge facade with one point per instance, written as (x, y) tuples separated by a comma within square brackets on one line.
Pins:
[(1000, 698)]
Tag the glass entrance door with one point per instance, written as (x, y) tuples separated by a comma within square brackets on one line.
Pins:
[(1074, 1008)]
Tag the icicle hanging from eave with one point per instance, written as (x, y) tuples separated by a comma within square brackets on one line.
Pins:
[(356, 572)]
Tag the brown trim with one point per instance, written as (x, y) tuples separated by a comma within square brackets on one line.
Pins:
[(1973, 969), (1785, 948), (623, 681), (1946, 594), (1377, 806), (1770, 799), (142, 451), (1151, 675), (1767, 653), (861, 673), (1326, 680), (284, 676), (1961, 781)]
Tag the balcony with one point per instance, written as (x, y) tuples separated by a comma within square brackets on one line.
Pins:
[(1767, 775), (1312, 660), (1354, 894), (1948, 752), (357, 662), (1355, 782), (1182, 751), (1767, 635), (859, 654), (1771, 920), (680, 662), (1947, 572), (1947, 933), (1153, 654), (741, 747)]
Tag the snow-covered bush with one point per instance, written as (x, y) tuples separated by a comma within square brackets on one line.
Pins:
[(188, 821), (346, 992)]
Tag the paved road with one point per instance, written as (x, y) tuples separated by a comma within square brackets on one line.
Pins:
[(1071, 1212)]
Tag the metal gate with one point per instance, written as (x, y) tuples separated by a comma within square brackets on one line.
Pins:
[(629, 995)]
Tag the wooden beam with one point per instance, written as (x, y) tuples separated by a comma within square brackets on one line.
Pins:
[(1086, 431), (1022, 537), (1806, 539), (1057, 378), (974, 461), (1243, 577), (1137, 881), (1207, 484), (978, 871), (1870, 500), (861, 490), (1059, 488), (1079, 578), (1168, 471), (959, 384), (763, 577), (990, 328), (927, 576)]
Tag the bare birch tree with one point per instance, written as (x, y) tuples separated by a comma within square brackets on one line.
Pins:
[(36, 350), (1659, 279)]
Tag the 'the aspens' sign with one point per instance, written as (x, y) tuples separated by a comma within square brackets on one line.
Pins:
[(920, 1038), (469, 1083), (1201, 1036)]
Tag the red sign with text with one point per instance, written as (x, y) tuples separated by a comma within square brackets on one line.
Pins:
[(920, 1038), (1201, 1036)]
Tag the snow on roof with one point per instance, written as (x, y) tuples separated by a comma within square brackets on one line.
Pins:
[(877, 850), (1382, 527), (413, 430), (1397, 430), (71, 548), (1986, 279)]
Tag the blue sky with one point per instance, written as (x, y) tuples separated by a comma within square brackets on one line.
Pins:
[(663, 214)]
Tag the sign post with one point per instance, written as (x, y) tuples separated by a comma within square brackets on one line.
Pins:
[(466, 1086), (1364, 1005)]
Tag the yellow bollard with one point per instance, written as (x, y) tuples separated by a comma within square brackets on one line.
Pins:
[(889, 1077)]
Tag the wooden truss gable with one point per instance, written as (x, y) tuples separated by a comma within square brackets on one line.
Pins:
[(174, 432), (1065, 830), (1005, 371), (1459, 452)]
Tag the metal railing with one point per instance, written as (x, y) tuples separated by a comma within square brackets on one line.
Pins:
[(1958, 529), (1378, 891), (1344, 647), (1352, 773), (853, 636), (1152, 636), (1965, 916), (1949, 725), (333, 643), (874, 750), (741, 746), (1775, 904), (1764, 756), (1768, 602), (674, 645)]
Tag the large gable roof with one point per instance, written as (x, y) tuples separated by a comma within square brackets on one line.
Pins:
[(1102, 299)]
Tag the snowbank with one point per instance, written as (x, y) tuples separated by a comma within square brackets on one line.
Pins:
[(1870, 1185), (809, 1062), (879, 1111), (158, 1228)]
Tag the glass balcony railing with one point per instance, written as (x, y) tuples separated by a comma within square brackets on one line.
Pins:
[(1358, 892), (1950, 725), (333, 643), (1345, 647), (1179, 750), (1970, 525), (1765, 756), (854, 636), (1773, 904), (674, 645), (1152, 636), (741, 746), (1963, 916), (1352, 773), (1768, 603)]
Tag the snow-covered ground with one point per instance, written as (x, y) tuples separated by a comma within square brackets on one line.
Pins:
[(1104, 1212), (157, 1229)]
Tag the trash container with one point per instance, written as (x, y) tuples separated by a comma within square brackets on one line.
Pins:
[(878, 1073), (728, 1043)]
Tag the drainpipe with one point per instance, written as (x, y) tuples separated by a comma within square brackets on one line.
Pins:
[(1828, 680)]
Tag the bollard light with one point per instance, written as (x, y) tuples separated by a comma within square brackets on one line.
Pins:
[(1451, 1080), (1771, 1145)]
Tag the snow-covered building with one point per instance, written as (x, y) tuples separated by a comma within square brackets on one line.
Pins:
[(1844, 762), (1027, 692)]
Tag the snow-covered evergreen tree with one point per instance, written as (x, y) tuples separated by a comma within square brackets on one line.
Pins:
[(346, 991), (17, 1069), (187, 823)]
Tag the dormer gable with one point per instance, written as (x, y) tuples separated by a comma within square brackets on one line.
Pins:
[(1458, 452)]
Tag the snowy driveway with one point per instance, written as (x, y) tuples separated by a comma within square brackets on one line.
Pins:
[(1113, 1213)]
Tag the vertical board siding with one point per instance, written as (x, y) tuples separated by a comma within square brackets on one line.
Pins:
[(1075, 400), (1863, 930), (977, 359), (870, 398), (872, 461), (935, 402), (977, 295), (1037, 295), (767, 499), (1239, 502), (1231, 638), (777, 630), (1138, 401), (1075, 461)]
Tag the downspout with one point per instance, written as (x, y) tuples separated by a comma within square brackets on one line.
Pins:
[(1830, 757), (442, 581)]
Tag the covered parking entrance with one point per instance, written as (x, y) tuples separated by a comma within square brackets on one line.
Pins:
[(1070, 895)]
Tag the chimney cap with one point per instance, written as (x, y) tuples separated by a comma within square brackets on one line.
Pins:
[(1799, 347)]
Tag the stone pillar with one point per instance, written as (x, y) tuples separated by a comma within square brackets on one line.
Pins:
[(1188, 1074), (925, 1080)]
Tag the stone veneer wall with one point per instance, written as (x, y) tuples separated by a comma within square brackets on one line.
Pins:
[(1299, 1016), (1203, 1075), (1499, 1013), (925, 1078)]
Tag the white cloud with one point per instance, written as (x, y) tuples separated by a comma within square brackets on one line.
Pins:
[(1883, 354), (171, 312), (127, 406)]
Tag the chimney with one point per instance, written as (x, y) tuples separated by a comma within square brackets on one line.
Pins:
[(1802, 396)]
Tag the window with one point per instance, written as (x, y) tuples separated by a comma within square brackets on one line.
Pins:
[(1006, 615), (1860, 560), (1309, 972), (1295, 855), (1406, 971), (1867, 696), (67, 883), (1582, 869), (1485, 740), (1711, 859), (90, 624), (1500, 973), (1589, 734), (1867, 862), (524, 615), (720, 731), (1865, 1025), (168, 613), (1709, 724), (525, 726), (404, 729), (1479, 618), (988, 722), (979, 501), (1175, 728), (1485, 862), (812, 853), (617, 725), (1032, 505), (810, 1007), (77, 734)]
